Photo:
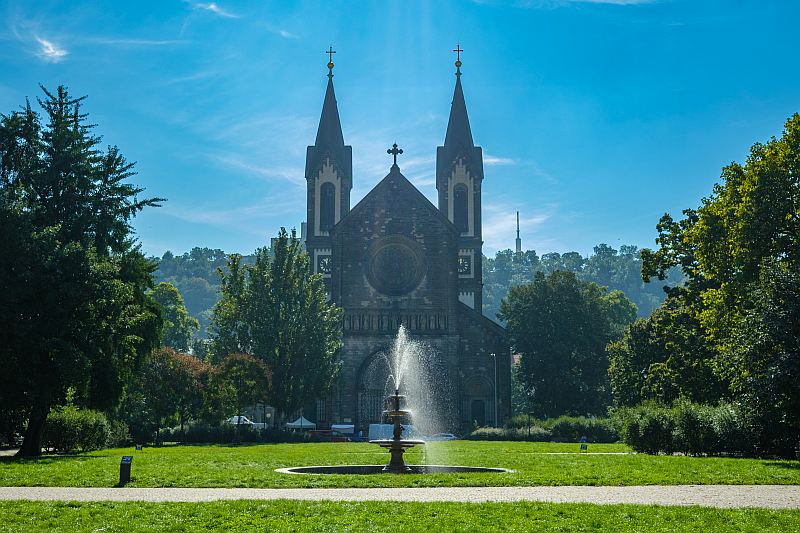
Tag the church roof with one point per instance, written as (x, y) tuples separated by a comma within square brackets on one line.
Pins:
[(393, 184)]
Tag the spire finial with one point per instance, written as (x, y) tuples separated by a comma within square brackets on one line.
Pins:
[(330, 51), (458, 51), (394, 151)]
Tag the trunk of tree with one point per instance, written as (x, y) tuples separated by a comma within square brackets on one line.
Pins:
[(32, 443)]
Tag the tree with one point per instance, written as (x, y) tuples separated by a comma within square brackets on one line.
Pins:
[(74, 306), (276, 310), (740, 253), (178, 325), (561, 326), (243, 380)]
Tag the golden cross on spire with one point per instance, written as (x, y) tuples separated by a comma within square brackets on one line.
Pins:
[(458, 51), (330, 51)]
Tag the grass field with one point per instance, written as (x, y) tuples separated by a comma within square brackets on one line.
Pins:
[(253, 466), (384, 516)]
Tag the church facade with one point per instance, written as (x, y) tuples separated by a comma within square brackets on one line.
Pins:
[(396, 259)]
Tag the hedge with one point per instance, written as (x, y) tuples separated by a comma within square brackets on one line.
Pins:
[(70, 429)]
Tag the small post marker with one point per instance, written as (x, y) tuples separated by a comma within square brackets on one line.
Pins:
[(584, 444), (125, 470)]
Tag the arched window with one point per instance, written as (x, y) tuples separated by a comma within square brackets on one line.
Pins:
[(327, 206), (460, 208)]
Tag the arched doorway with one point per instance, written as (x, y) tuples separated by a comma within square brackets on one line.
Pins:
[(372, 390)]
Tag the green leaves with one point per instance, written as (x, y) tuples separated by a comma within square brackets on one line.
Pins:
[(276, 310)]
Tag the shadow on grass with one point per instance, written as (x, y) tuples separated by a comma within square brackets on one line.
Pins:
[(49, 458), (789, 464)]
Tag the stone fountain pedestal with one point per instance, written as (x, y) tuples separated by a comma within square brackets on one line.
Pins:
[(397, 445)]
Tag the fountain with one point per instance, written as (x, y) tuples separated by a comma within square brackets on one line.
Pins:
[(396, 445), (404, 367)]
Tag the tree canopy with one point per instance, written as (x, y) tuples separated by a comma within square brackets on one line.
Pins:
[(276, 310), (735, 320), (179, 327), (73, 284), (560, 326)]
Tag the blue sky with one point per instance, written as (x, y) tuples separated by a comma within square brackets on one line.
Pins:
[(595, 117)]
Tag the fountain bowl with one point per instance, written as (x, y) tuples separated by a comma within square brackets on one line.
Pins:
[(381, 469)]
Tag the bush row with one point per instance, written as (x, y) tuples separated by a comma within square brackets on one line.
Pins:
[(71, 429), (692, 429), (571, 428), (532, 434), (227, 434)]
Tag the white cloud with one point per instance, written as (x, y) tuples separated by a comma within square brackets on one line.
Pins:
[(50, 51), (291, 174), (492, 160), (111, 41), (213, 7)]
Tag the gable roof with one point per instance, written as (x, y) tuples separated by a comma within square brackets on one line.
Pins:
[(394, 179)]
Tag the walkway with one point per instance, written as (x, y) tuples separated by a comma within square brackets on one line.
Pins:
[(722, 496)]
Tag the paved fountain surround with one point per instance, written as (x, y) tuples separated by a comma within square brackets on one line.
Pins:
[(381, 469), (400, 364)]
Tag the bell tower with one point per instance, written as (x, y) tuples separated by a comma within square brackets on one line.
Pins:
[(329, 178), (459, 174)]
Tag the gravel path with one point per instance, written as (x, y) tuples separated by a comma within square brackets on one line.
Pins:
[(722, 496)]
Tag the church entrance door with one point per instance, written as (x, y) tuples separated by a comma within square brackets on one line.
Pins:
[(478, 411)]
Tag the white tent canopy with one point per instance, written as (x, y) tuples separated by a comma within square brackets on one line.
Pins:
[(301, 423)]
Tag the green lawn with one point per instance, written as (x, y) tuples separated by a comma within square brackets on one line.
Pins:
[(253, 466), (383, 516)]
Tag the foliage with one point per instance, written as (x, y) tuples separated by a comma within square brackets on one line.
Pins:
[(736, 319), (71, 429), (195, 275), (561, 326), (242, 380), (230, 434), (616, 269), (533, 464), (74, 305), (530, 434), (276, 310), (169, 387), (179, 327), (689, 428), (570, 428)]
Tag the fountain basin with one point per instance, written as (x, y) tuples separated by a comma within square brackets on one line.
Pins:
[(380, 469)]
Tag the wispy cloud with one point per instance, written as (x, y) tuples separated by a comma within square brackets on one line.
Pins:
[(492, 160), (114, 41), (215, 8), (290, 174), (50, 51)]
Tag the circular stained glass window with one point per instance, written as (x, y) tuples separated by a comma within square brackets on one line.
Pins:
[(395, 265)]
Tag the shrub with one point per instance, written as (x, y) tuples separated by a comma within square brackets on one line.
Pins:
[(536, 434), (119, 435), (227, 434), (686, 427), (570, 428), (71, 429)]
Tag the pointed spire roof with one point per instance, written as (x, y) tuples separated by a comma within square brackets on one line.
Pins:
[(329, 133), (459, 134)]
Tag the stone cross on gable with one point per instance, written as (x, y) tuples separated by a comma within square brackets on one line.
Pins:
[(394, 151)]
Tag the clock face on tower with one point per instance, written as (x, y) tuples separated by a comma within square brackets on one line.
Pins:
[(464, 265), (324, 264)]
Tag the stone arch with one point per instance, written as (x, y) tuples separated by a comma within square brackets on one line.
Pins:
[(371, 388)]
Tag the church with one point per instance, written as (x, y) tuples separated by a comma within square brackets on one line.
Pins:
[(397, 259)]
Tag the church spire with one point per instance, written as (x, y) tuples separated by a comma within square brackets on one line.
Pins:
[(329, 133), (459, 134)]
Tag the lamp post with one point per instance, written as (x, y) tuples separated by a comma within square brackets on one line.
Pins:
[(494, 356)]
